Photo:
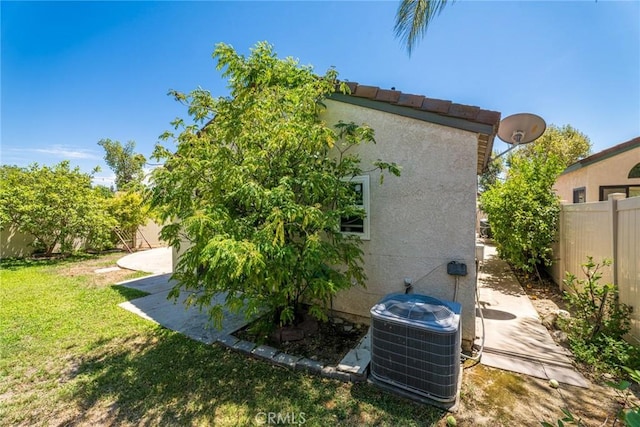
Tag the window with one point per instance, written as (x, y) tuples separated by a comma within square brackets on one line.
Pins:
[(635, 171), (354, 225), (579, 195), (628, 190)]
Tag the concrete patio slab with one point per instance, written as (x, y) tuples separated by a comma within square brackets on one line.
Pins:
[(155, 261)]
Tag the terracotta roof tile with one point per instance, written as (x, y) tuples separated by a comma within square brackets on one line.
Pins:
[(463, 111), (408, 100), (436, 105), (352, 86), (419, 102), (391, 96), (488, 116), (365, 91)]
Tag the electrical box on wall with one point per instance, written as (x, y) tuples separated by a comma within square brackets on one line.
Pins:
[(456, 268)]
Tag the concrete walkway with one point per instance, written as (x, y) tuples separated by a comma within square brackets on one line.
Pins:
[(175, 315), (515, 338), (171, 314)]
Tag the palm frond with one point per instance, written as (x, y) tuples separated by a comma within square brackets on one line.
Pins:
[(413, 18)]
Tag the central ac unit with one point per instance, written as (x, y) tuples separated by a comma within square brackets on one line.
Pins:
[(415, 345)]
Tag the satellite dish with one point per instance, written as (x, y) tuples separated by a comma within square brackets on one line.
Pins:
[(521, 128)]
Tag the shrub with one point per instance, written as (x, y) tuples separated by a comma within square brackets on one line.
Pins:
[(599, 321), (523, 211), (258, 193), (56, 205)]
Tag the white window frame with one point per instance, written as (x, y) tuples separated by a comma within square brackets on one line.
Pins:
[(364, 180)]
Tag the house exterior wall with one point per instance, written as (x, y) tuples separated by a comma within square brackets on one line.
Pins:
[(420, 221), (611, 171)]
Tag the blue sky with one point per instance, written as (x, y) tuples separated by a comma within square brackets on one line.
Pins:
[(76, 72)]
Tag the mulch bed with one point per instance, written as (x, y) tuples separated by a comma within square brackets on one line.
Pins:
[(328, 344)]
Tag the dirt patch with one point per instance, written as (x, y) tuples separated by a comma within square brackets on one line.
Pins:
[(87, 268), (328, 344), (545, 296), (493, 397)]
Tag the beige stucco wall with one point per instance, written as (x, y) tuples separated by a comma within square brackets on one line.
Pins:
[(611, 171), (151, 232), (421, 220), (14, 244)]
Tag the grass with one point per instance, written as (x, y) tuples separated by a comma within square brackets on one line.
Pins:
[(70, 355)]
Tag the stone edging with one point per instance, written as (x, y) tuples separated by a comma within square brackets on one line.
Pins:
[(276, 357)]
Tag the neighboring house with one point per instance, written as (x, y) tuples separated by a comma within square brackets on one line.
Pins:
[(592, 179), (419, 222)]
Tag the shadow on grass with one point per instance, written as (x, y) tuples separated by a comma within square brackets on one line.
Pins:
[(399, 408), (168, 379), (129, 293), (55, 259), (19, 263)]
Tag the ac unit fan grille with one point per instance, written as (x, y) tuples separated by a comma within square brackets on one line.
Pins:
[(423, 361)]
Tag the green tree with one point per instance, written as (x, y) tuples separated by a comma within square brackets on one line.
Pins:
[(130, 209), (56, 205), (414, 17), (125, 163), (523, 210), (564, 142), (253, 189), (492, 173)]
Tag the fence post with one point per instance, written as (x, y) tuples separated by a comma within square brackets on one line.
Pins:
[(613, 217), (561, 246)]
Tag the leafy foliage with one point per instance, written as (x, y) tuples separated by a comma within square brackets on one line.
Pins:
[(597, 328), (413, 18), (55, 204), (125, 163), (255, 192), (564, 142), (129, 209), (523, 210), (492, 173)]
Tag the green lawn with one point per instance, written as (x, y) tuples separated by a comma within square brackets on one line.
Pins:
[(70, 355)]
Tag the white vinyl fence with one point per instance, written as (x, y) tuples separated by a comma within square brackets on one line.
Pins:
[(609, 229)]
